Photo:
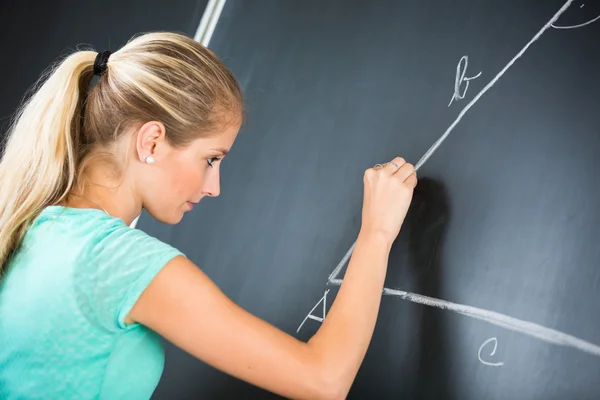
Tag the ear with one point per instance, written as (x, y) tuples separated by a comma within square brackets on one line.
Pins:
[(150, 140)]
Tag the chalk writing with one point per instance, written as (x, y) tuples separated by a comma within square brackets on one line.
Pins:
[(316, 318), (491, 364), (487, 87), (333, 279), (518, 325), (461, 70), (525, 327), (577, 25)]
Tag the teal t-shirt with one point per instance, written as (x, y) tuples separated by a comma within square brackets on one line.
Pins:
[(63, 301)]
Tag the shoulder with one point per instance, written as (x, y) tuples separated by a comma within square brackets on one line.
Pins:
[(122, 254), (102, 235), (120, 262), (113, 236)]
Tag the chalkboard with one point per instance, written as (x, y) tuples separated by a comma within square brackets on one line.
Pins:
[(493, 282)]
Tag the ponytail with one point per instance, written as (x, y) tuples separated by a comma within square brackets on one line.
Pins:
[(40, 160)]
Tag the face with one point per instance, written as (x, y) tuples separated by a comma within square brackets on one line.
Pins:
[(178, 178)]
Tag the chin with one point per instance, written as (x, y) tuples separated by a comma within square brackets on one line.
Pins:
[(169, 219), (175, 219)]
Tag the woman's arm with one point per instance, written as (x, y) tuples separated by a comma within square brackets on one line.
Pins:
[(188, 309)]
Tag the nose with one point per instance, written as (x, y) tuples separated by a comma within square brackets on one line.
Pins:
[(212, 186)]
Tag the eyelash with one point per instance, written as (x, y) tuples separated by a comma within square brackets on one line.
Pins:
[(214, 159)]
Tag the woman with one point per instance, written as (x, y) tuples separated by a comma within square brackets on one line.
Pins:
[(84, 298)]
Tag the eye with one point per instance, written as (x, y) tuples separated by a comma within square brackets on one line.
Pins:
[(212, 160)]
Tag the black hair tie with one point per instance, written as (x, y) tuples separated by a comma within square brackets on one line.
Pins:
[(100, 62)]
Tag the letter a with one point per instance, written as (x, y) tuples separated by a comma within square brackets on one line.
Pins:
[(316, 318)]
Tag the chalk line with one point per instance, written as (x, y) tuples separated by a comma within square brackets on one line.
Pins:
[(209, 20), (436, 145), (338, 268), (324, 300), (518, 325), (491, 83), (575, 26), (514, 324), (525, 327)]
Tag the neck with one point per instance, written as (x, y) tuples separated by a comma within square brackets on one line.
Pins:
[(101, 191)]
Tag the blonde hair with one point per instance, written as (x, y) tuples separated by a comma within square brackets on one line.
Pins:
[(53, 136)]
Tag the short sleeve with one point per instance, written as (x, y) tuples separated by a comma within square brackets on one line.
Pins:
[(114, 271)]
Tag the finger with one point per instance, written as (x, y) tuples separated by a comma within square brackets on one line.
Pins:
[(412, 180), (404, 171), (393, 165)]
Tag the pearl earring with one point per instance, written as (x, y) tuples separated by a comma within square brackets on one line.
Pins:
[(149, 160)]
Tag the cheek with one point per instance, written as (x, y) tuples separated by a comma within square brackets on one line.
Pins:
[(186, 181)]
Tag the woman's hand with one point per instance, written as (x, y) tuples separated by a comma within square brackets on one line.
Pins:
[(388, 191)]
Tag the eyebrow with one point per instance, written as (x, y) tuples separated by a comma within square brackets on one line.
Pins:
[(222, 150)]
